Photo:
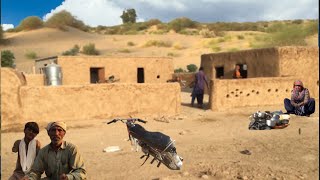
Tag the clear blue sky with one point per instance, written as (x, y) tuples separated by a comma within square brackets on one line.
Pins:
[(13, 11)]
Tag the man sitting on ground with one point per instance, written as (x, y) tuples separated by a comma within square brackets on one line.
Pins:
[(60, 160)]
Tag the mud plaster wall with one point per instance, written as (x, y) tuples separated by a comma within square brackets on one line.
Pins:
[(11, 82), (99, 101), (20, 102), (260, 62), (35, 79), (227, 94), (302, 63), (76, 70)]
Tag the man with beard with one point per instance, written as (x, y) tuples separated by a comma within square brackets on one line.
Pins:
[(59, 159)]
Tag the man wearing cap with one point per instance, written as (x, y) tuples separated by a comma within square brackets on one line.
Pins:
[(60, 160), (300, 104)]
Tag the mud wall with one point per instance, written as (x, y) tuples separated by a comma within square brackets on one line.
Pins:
[(21, 102), (35, 79), (76, 70), (11, 83), (260, 62), (302, 63), (228, 94)]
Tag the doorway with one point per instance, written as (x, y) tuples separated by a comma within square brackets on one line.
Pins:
[(97, 75), (140, 75)]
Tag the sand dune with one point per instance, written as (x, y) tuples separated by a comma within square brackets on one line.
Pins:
[(185, 49)]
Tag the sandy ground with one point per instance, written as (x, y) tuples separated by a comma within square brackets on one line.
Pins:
[(210, 143)]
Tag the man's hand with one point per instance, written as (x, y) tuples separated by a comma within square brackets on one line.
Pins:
[(63, 177)]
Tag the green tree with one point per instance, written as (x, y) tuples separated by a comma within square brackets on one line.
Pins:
[(129, 16), (192, 68), (7, 58)]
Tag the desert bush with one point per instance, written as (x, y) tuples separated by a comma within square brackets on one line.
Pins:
[(64, 18), (179, 70), (31, 55), (190, 32), (153, 22), (30, 23), (182, 23), (233, 50), (158, 43), (178, 46), (171, 54), (220, 40), (297, 21), (206, 33), (7, 58), (73, 51), (290, 35), (124, 51), (240, 37), (216, 48), (130, 43), (192, 68), (89, 49)]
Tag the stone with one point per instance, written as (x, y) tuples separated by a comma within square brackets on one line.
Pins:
[(205, 176)]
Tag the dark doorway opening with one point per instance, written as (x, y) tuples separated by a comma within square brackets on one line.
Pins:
[(219, 72), (97, 75), (140, 75), (243, 70)]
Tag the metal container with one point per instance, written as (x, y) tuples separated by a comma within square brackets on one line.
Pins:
[(53, 75)]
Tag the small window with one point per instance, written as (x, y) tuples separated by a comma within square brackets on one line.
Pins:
[(219, 72)]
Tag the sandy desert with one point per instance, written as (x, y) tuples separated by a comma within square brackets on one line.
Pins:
[(210, 142)]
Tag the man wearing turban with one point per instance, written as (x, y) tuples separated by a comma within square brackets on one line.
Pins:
[(59, 159)]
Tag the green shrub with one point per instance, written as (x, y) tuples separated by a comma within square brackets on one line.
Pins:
[(233, 50), (31, 55), (124, 51), (182, 23), (192, 68), (216, 48), (190, 32), (179, 70), (73, 51), (153, 22), (7, 58), (130, 43), (158, 43), (30, 23), (240, 37), (89, 49), (297, 21), (64, 18), (220, 40)]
